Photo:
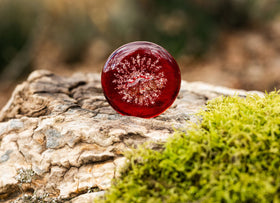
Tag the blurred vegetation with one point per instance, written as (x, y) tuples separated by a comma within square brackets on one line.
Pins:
[(17, 21), (182, 27), (187, 27), (70, 27)]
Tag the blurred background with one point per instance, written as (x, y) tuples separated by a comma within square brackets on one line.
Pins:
[(234, 43)]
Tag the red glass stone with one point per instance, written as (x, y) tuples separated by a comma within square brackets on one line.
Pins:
[(141, 79)]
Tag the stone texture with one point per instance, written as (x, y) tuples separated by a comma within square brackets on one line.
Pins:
[(60, 140)]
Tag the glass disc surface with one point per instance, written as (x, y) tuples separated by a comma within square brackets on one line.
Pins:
[(141, 79)]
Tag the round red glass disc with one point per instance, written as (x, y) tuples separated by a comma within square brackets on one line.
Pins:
[(141, 79)]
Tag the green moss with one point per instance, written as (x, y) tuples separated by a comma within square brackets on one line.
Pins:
[(231, 155)]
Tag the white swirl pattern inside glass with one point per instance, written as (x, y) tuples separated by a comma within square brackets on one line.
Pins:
[(139, 80)]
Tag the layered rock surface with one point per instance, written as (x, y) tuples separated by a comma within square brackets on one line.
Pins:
[(61, 141)]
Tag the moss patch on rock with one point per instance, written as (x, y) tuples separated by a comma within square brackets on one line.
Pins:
[(231, 155)]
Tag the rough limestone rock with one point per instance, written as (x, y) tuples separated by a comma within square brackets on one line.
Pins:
[(61, 141)]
